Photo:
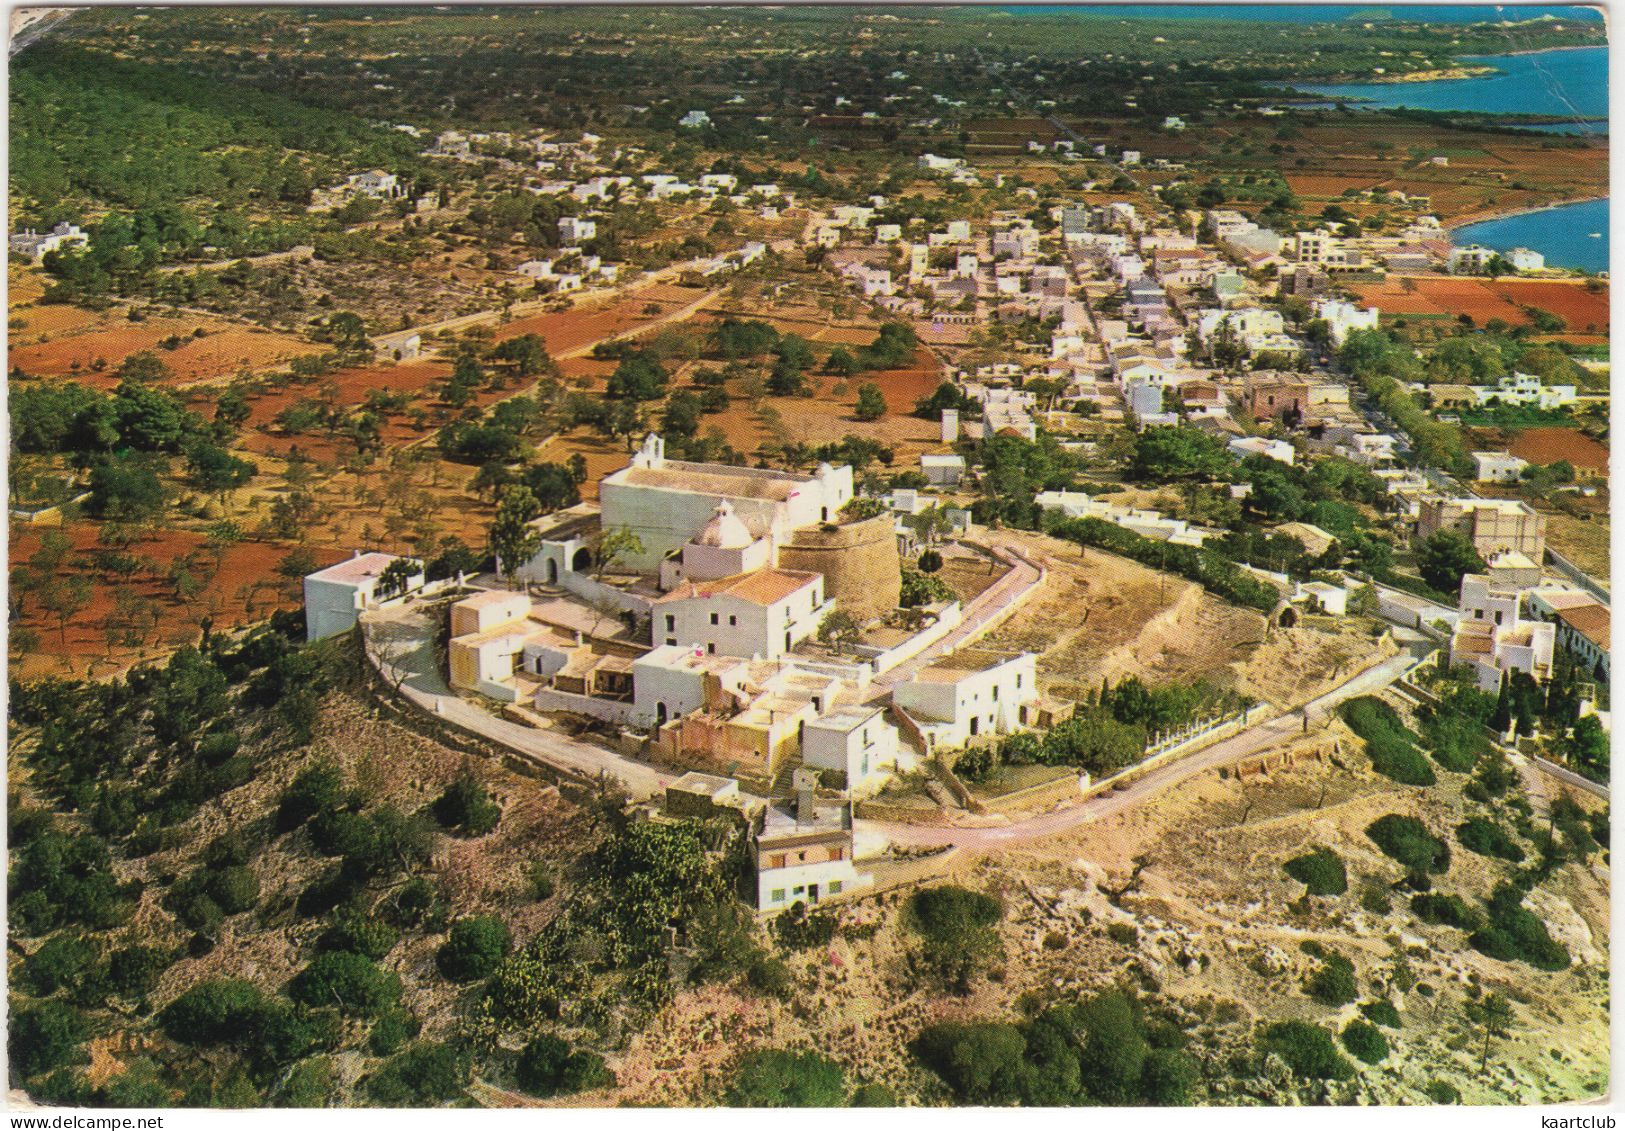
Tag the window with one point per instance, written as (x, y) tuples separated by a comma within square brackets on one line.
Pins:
[(776, 860), (1018, 679), (835, 887), (732, 620), (995, 693), (715, 619), (671, 640), (777, 896), (711, 647), (799, 889), (671, 622), (837, 854)]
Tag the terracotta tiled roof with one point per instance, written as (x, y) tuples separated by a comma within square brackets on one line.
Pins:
[(759, 587)]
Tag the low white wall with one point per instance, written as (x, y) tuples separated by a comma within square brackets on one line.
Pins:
[(608, 710)]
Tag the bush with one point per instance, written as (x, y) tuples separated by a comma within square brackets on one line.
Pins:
[(1516, 934), (1382, 1012), (957, 926), (795, 929), (46, 1036), (779, 1078), (548, 1067), (1321, 872), (349, 982), (982, 1063), (134, 971), (466, 808), (1365, 1041), (63, 961), (368, 937), (1485, 837), (425, 1073), (216, 1012), (1408, 841), (1333, 983), (391, 1031), (235, 889), (1443, 1092), (771, 977), (1307, 1049), (874, 1095), (474, 948), (315, 790), (1389, 744)]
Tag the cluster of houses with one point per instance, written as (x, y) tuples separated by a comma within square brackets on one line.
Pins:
[(701, 636)]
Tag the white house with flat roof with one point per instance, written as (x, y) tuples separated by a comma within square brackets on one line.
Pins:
[(336, 596), (970, 694), (1497, 467), (856, 745), (804, 851)]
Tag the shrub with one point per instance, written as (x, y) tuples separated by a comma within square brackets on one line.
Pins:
[(874, 1095), (1365, 1041), (391, 1031), (1485, 837), (780, 1078), (1389, 743), (795, 929), (45, 1036), (771, 977), (1442, 1092), (235, 889), (216, 1012), (315, 790), (1307, 1049), (981, 1063), (425, 1073), (63, 961), (1333, 983), (368, 937), (548, 1067), (1516, 934), (957, 926), (133, 971), (1382, 1012), (466, 807), (474, 948), (1408, 841), (349, 982), (1321, 872)]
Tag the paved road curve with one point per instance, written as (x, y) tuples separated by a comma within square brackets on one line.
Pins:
[(1250, 741), (398, 641)]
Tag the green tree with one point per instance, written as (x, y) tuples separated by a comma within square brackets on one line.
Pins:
[(349, 982), (781, 1078), (871, 402), (1444, 557), (512, 538), (473, 948)]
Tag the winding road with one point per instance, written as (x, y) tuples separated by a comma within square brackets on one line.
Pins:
[(1250, 741)]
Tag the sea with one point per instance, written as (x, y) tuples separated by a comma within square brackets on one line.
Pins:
[(1572, 235), (1569, 83), (1316, 13)]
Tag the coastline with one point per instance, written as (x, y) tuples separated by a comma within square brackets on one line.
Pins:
[(1506, 214)]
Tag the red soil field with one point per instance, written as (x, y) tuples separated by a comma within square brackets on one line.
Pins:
[(251, 564), (1548, 445), (226, 348), (1572, 302), (569, 330)]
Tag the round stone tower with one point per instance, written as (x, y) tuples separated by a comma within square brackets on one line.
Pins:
[(859, 561)]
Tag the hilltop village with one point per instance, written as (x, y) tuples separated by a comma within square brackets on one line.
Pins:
[(779, 557)]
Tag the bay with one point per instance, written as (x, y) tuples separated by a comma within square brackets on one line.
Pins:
[(1563, 234)]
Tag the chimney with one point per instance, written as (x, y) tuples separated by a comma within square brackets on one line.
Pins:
[(805, 783), (950, 425)]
